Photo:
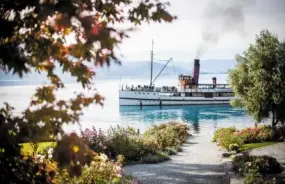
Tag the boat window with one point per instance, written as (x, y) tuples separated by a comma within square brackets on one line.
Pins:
[(208, 95), (226, 94), (188, 94), (153, 93), (139, 93)]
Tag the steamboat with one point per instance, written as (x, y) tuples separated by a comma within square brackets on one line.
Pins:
[(189, 92)]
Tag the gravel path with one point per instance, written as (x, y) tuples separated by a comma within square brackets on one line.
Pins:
[(200, 162)]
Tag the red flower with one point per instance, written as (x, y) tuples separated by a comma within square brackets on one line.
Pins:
[(73, 134)]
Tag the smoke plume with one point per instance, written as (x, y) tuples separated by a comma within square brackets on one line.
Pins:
[(219, 18)]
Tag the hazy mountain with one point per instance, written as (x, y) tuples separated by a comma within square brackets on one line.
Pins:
[(140, 69)]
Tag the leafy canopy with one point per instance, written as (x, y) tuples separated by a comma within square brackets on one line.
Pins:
[(74, 35), (259, 78)]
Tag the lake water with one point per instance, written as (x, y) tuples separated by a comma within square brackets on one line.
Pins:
[(204, 119)]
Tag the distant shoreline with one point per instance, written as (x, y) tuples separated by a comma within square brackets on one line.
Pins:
[(30, 81)]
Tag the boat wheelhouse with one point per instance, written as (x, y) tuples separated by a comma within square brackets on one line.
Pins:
[(190, 91)]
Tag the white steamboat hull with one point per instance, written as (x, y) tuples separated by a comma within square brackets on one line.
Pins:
[(128, 98)]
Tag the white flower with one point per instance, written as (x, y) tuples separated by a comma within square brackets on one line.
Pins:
[(50, 152), (40, 158), (103, 157)]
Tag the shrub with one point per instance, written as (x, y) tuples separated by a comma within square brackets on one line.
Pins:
[(26, 169), (253, 177), (166, 138), (167, 135), (230, 140), (170, 151), (263, 164), (126, 142), (152, 142), (101, 170), (257, 134), (155, 158), (47, 152), (96, 140), (234, 147), (219, 133)]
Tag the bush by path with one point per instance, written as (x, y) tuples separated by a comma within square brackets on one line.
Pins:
[(155, 145), (232, 139), (256, 169)]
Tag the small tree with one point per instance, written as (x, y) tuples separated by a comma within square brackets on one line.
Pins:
[(258, 80)]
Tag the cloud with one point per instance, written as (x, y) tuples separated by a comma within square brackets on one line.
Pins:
[(181, 38)]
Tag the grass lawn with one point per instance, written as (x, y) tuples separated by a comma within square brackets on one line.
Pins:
[(27, 149), (250, 146)]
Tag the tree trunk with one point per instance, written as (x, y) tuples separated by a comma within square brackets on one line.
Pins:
[(273, 119)]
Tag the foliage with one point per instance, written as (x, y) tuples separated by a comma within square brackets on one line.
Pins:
[(136, 148), (262, 164), (72, 153), (101, 170), (228, 139), (256, 134), (96, 140), (171, 150), (258, 80), (26, 148), (26, 170), (250, 146), (253, 177), (239, 140), (159, 156), (126, 142), (70, 36), (219, 133), (166, 135), (234, 147)]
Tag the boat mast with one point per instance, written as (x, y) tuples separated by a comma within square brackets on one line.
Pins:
[(151, 64)]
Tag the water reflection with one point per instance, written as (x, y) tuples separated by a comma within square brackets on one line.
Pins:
[(213, 116)]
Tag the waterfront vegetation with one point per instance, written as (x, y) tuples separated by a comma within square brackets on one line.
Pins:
[(258, 79), (232, 139), (109, 151), (155, 145), (258, 83), (255, 169)]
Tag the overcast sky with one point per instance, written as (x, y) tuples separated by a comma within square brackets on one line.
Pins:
[(181, 38)]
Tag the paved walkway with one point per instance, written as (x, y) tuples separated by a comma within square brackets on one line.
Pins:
[(199, 163), (276, 150)]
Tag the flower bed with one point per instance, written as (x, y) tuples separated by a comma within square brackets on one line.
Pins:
[(256, 169), (155, 145), (257, 134), (232, 139), (263, 164)]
